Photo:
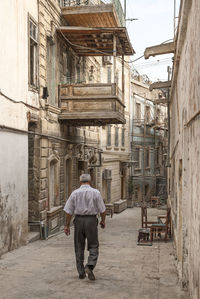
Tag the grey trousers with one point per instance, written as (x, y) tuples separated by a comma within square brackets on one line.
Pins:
[(86, 229)]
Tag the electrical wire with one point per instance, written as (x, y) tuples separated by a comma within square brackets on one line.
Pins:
[(17, 102)]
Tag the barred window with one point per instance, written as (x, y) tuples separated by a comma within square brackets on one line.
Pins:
[(123, 137), (116, 136), (147, 114), (109, 74), (138, 113), (108, 135), (137, 158), (147, 158)]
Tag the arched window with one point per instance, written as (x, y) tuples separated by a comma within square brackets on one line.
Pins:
[(68, 176), (53, 182)]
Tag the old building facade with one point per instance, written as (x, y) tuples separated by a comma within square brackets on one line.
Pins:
[(184, 147), (184, 141), (148, 141), (78, 83), (19, 103)]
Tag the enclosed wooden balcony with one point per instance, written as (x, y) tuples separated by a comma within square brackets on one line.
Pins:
[(95, 104), (93, 13)]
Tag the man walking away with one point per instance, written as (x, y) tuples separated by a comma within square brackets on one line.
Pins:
[(85, 202)]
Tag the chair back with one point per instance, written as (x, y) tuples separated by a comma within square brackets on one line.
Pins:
[(168, 216), (144, 216)]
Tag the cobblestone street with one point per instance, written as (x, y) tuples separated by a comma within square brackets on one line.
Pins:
[(46, 269)]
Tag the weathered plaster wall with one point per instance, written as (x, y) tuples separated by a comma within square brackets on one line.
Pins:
[(13, 190), (14, 145), (185, 154), (14, 49)]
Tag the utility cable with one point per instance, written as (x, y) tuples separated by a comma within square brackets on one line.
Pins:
[(17, 102)]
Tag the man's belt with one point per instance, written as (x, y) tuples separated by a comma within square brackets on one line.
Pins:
[(85, 215)]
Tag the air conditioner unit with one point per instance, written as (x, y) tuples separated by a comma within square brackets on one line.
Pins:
[(107, 174), (107, 60)]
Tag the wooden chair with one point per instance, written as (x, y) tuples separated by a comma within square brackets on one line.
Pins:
[(109, 209), (160, 226), (145, 222)]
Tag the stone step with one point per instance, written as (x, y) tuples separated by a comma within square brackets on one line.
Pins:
[(33, 236)]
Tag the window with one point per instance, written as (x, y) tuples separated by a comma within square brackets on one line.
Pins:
[(138, 114), (157, 156), (109, 74), (33, 50), (147, 114), (147, 158), (108, 135), (123, 137), (51, 71), (137, 158), (53, 184), (116, 136)]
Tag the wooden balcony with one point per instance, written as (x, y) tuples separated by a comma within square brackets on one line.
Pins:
[(95, 104), (93, 13)]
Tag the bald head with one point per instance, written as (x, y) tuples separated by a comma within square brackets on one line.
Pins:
[(85, 178)]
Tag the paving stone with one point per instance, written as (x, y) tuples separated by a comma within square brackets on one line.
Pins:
[(46, 269)]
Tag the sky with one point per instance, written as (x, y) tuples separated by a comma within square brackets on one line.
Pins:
[(155, 25)]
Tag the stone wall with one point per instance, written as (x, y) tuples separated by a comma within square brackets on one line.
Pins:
[(13, 190), (185, 144)]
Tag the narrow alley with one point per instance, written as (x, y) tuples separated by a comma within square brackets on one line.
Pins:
[(124, 270)]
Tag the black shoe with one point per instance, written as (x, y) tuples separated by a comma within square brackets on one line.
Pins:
[(82, 275), (90, 273)]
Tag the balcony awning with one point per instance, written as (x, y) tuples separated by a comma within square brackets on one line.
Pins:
[(97, 41)]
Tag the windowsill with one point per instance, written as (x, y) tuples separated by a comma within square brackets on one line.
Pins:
[(138, 169), (54, 210), (148, 168), (116, 148), (109, 147), (123, 148)]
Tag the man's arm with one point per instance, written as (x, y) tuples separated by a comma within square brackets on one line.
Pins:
[(69, 210), (67, 226), (103, 219)]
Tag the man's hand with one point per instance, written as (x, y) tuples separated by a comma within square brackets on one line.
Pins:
[(102, 223), (67, 230)]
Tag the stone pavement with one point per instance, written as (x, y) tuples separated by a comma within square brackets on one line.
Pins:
[(46, 269)]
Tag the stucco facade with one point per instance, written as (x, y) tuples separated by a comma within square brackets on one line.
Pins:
[(184, 147), (18, 101)]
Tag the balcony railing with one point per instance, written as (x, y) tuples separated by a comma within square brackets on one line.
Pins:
[(91, 104), (116, 4)]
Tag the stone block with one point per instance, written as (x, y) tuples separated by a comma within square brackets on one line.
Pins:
[(61, 187), (44, 142), (44, 152), (62, 179), (43, 184), (43, 163), (43, 173), (43, 194), (42, 204), (43, 215)]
